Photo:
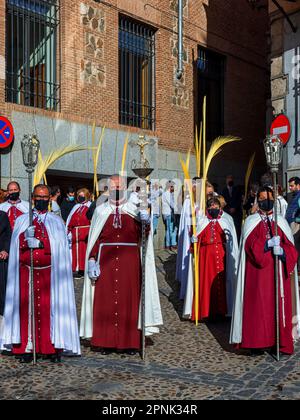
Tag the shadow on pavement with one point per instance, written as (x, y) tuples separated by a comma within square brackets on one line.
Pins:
[(220, 329)]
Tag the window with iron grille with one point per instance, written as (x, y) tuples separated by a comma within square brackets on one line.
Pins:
[(136, 74), (31, 53), (210, 83)]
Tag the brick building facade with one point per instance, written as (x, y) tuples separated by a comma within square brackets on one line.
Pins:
[(229, 34), (285, 77)]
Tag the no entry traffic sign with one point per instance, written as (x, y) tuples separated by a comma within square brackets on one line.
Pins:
[(281, 127), (6, 133)]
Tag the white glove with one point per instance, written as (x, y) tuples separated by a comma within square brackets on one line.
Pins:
[(194, 239), (275, 241), (278, 251), (34, 243), (29, 233), (144, 216), (93, 270)]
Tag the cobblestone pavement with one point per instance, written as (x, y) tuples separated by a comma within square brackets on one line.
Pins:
[(184, 362)]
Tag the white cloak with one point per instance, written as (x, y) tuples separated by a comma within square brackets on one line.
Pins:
[(63, 324), (184, 245), (74, 209), (232, 251), (237, 318), (153, 315), (23, 206)]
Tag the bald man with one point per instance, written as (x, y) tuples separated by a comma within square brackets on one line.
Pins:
[(14, 207), (55, 310), (110, 316)]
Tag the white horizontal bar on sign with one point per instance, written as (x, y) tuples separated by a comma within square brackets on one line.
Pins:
[(281, 130)]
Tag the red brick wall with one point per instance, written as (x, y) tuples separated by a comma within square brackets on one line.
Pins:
[(230, 27)]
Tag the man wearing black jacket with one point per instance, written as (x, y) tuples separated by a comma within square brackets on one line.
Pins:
[(68, 203), (233, 198)]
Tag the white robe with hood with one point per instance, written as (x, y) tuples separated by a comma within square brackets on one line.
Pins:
[(63, 318)]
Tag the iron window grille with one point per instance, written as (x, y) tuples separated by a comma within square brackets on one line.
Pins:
[(136, 74), (32, 54)]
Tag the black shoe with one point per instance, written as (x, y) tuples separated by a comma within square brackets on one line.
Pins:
[(26, 358), (55, 358), (77, 275), (131, 352), (256, 352), (7, 353), (148, 342), (85, 343), (105, 352)]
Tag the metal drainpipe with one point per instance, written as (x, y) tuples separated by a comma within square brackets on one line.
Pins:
[(179, 72)]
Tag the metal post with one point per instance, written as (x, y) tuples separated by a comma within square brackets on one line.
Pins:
[(143, 291), (276, 269), (179, 72), (30, 149), (31, 287), (142, 170)]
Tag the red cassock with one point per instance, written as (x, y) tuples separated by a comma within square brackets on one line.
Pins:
[(42, 292), (13, 214), (118, 289), (212, 272), (259, 327), (79, 226)]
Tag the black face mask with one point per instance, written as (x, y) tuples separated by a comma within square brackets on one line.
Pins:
[(81, 199), (14, 196), (214, 213), (230, 184), (266, 205), (41, 205)]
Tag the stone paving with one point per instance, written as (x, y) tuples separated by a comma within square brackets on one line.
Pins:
[(185, 362)]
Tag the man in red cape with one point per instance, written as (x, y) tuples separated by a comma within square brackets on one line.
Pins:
[(110, 316), (253, 324)]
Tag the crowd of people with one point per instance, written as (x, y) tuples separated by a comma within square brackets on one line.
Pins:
[(99, 239)]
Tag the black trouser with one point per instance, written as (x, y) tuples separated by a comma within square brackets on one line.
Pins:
[(3, 279), (297, 245)]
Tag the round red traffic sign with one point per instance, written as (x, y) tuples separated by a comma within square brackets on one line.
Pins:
[(6, 133), (281, 127)]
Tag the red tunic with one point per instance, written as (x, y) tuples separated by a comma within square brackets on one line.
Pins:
[(13, 214), (79, 226), (42, 292), (117, 290), (259, 327), (212, 272)]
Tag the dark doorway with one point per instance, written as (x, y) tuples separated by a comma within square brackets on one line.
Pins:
[(65, 179), (210, 72)]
